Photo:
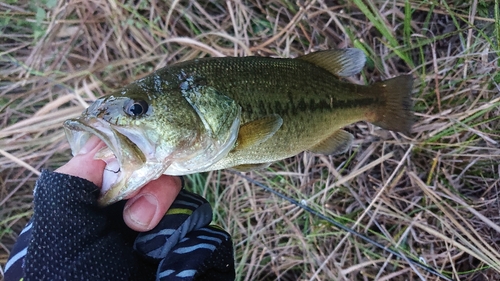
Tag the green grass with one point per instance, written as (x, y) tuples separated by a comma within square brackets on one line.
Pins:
[(415, 190)]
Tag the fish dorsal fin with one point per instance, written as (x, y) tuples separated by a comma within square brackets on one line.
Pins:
[(342, 63), (339, 142), (258, 131)]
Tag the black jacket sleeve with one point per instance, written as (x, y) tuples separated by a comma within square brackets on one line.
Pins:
[(71, 238)]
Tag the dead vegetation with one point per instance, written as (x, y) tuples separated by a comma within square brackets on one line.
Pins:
[(433, 195)]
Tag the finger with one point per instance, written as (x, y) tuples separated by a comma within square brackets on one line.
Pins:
[(84, 165), (145, 210)]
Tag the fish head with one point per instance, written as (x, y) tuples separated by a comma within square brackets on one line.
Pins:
[(145, 133)]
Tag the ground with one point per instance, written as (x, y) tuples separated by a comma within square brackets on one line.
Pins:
[(431, 194)]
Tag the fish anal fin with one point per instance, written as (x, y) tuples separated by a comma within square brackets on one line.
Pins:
[(341, 62), (250, 167), (258, 131), (338, 143), (396, 113)]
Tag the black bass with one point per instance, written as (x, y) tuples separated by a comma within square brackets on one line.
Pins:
[(241, 113)]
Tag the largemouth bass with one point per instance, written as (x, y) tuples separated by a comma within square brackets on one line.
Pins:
[(241, 113)]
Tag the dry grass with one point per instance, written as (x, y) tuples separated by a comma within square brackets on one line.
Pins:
[(433, 195)]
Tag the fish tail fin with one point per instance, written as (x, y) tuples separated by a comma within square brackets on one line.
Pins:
[(396, 113)]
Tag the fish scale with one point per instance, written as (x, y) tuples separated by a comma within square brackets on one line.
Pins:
[(303, 107)]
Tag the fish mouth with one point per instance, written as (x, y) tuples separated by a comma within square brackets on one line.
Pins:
[(127, 167)]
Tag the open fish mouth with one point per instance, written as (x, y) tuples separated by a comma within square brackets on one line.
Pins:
[(126, 167)]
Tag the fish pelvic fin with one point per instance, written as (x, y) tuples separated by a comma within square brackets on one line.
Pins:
[(250, 167), (396, 113), (337, 143), (341, 63)]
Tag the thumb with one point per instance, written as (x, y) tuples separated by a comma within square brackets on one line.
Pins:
[(84, 165)]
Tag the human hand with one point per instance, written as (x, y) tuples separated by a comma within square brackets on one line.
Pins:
[(76, 235), (145, 208)]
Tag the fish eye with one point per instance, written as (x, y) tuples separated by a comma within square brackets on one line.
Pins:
[(136, 108)]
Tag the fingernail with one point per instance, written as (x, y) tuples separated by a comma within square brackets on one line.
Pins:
[(91, 144), (143, 209)]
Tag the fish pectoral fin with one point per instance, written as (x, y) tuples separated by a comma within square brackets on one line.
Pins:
[(339, 142), (250, 167), (342, 63), (258, 131)]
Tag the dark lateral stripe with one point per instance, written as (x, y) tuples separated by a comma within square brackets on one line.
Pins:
[(309, 105)]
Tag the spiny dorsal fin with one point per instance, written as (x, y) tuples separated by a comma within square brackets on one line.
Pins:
[(342, 63), (258, 131), (339, 142)]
